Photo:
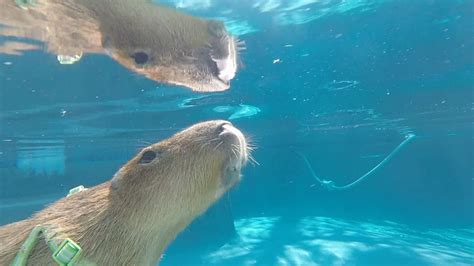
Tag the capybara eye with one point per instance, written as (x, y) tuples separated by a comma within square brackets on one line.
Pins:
[(140, 58), (147, 157)]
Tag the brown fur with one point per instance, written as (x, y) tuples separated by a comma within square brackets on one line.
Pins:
[(180, 47), (132, 218)]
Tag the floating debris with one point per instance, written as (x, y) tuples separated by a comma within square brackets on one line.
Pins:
[(336, 85), (69, 60)]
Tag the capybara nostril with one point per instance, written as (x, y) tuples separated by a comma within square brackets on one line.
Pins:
[(222, 126)]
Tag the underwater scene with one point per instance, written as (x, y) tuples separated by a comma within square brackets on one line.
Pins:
[(223, 132)]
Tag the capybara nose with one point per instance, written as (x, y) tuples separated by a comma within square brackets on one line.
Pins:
[(222, 126)]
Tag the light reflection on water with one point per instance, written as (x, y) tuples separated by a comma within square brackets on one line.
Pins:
[(332, 241)]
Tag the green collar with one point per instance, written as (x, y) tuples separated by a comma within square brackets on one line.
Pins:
[(25, 4), (67, 253)]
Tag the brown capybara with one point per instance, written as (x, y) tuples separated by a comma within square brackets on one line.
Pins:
[(131, 219), (154, 40)]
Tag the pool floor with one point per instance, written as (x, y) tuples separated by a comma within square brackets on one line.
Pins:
[(328, 241)]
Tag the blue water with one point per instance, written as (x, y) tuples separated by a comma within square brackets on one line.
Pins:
[(341, 82)]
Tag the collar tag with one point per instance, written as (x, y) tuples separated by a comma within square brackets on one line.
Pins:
[(67, 253)]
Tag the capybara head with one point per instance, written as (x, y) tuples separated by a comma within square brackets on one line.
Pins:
[(154, 40), (188, 171), (172, 47)]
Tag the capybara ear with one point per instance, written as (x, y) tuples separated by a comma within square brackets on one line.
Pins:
[(147, 157), (117, 179)]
